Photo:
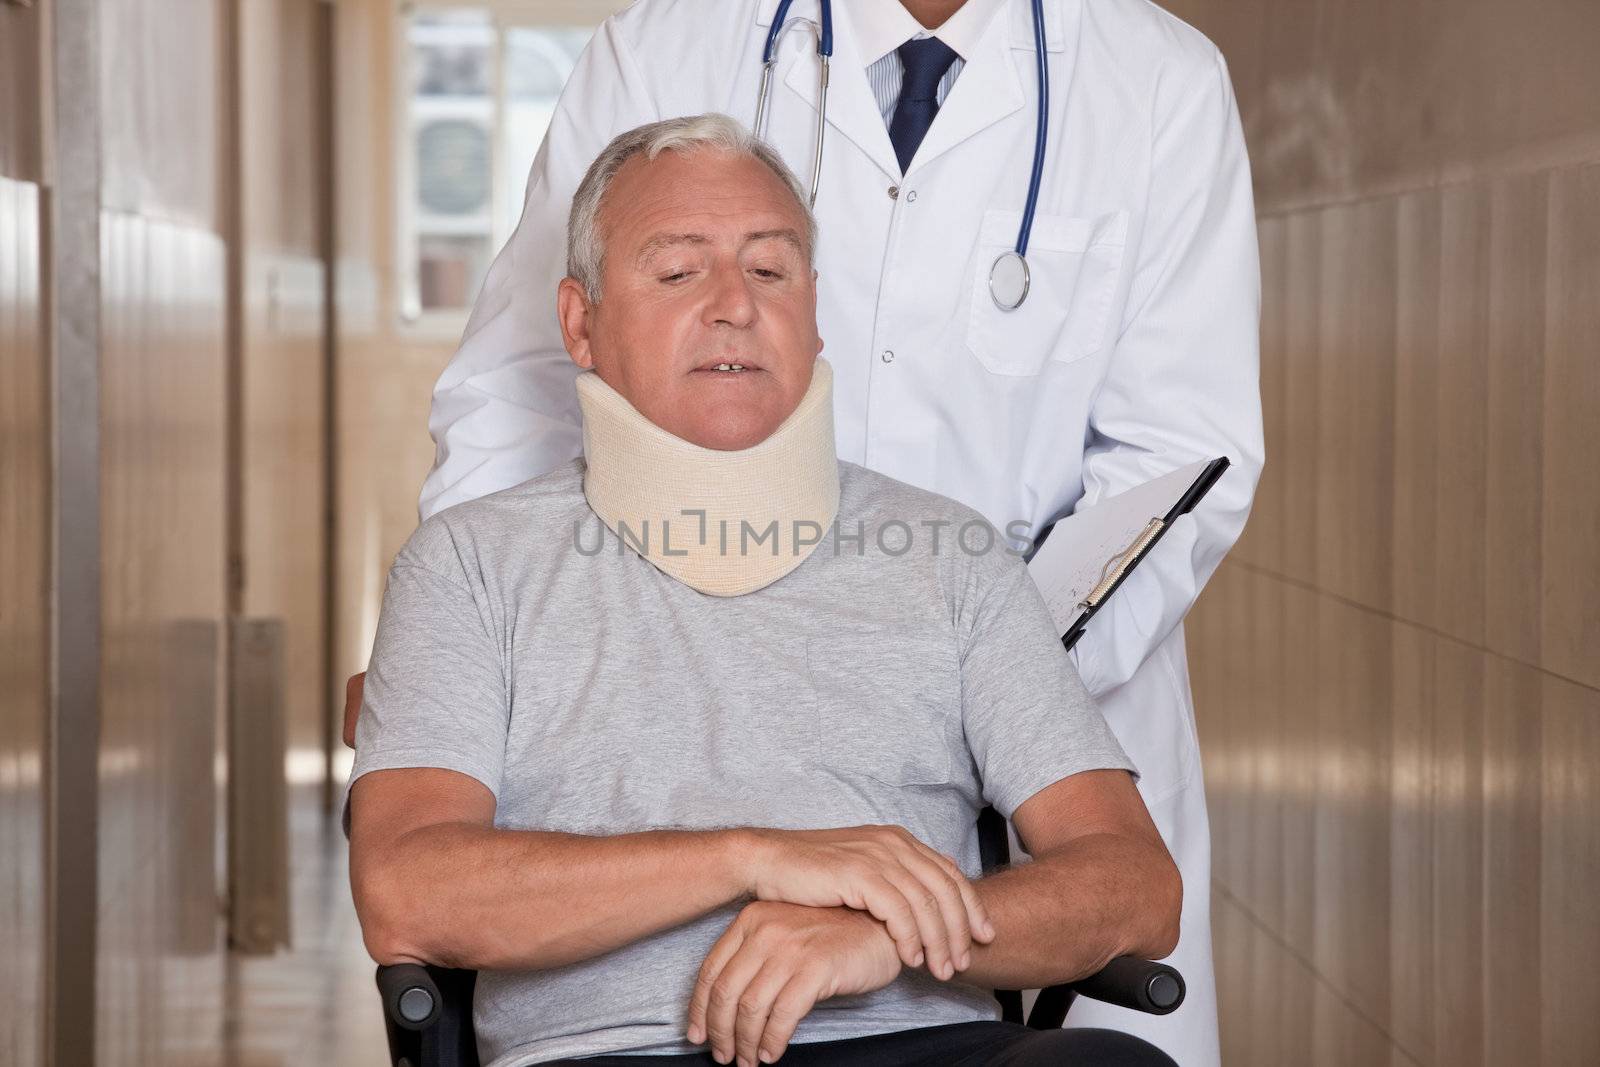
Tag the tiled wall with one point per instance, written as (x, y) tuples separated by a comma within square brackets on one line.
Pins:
[(24, 618), (1397, 671), (161, 959), (282, 357), (283, 455), (161, 964), (24, 542)]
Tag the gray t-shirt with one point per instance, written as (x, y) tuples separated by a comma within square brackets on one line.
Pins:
[(886, 679)]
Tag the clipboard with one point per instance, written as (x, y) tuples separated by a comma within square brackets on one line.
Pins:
[(1089, 553)]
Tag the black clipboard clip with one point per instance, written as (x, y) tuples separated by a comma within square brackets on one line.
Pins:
[(1119, 566)]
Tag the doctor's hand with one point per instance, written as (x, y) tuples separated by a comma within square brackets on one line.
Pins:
[(920, 895), (772, 965), (352, 706)]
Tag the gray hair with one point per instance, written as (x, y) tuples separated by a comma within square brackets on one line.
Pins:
[(585, 249)]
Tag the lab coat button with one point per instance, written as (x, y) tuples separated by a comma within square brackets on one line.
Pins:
[(911, 197), (894, 192), (888, 356)]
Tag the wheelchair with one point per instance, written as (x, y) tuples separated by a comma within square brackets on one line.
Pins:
[(428, 1010)]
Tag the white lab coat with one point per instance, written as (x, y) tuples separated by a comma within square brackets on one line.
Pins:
[(1135, 353)]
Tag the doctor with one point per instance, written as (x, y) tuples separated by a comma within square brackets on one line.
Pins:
[(1133, 352)]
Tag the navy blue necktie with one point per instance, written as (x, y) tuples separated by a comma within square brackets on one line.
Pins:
[(925, 62)]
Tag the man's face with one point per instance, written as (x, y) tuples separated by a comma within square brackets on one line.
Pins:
[(705, 266)]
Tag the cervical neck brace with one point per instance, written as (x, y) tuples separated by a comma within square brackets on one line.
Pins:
[(649, 487)]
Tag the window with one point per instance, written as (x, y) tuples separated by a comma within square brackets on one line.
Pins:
[(481, 84)]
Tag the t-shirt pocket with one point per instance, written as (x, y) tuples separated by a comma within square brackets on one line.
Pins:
[(888, 704), (1074, 265)]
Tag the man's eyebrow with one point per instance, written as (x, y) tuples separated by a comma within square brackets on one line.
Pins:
[(784, 234), (670, 240)]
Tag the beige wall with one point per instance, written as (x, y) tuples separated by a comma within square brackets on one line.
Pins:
[(282, 358), (164, 539), (20, 108), (1396, 671), (163, 402), (159, 945), (24, 616), (24, 539)]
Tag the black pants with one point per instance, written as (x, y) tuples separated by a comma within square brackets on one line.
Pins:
[(974, 1044)]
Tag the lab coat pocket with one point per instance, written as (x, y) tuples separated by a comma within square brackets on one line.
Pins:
[(888, 705), (1074, 264)]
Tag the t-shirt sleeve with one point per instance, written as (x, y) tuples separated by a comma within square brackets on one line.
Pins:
[(436, 693), (1029, 720)]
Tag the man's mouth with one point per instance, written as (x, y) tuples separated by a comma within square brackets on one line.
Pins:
[(727, 367)]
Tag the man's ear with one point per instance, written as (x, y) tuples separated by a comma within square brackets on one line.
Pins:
[(814, 308), (572, 309)]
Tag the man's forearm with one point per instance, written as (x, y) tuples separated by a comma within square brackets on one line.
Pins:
[(481, 898), (1065, 915)]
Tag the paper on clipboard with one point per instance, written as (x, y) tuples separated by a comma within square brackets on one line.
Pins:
[(1081, 546)]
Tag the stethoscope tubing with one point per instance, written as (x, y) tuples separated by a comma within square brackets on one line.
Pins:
[(1041, 131)]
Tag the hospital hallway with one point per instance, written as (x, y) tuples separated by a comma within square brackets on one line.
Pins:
[(240, 240)]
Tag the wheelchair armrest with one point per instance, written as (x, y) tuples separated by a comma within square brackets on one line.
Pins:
[(410, 998), (1141, 985), (427, 1013)]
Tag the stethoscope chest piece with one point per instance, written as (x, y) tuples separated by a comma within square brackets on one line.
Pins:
[(1008, 281)]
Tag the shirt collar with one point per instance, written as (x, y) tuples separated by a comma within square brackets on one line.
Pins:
[(881, 26)]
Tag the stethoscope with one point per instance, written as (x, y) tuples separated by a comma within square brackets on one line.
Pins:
[(1008, 274)]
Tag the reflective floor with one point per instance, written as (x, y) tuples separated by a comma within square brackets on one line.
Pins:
[(315, 1004)]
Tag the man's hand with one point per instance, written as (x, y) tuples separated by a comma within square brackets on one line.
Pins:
[(352, 706), (928, 905), (772, 965)]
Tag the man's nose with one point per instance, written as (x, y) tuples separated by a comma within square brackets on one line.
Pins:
[(731, 302)]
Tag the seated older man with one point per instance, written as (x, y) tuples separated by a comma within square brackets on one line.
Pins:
[(684, 742)]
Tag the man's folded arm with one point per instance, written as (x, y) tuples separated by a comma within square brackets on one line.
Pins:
[(1101, 883), (436, 882)]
